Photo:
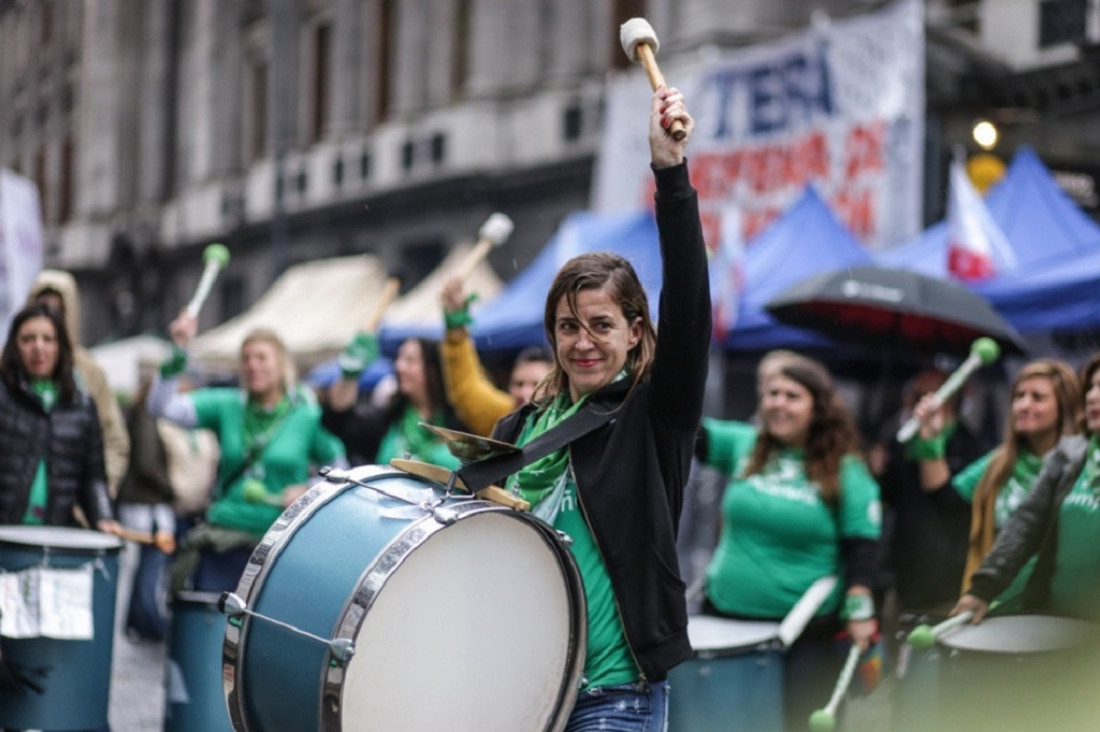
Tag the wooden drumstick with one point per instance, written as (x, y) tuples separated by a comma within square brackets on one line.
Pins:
[(138, 537), (389, 294), (214, 257), (640, 44), (494, 232)]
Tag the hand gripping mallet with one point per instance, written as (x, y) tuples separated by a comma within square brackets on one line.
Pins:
[(494, 232), (640, 44), (923, 637), (824, 720), (983, 352), (215, 257)]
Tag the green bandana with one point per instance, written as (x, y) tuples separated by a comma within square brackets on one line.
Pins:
[(46, 391), (260, 423), (535, 481)]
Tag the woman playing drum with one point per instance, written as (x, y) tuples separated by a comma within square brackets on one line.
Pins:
[(617, 491), (1046, 406), (270, 435), (800, 505), (51, 447), (1058, 521)]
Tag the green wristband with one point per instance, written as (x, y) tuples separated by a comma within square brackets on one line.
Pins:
[(933, 448), (858, 607), (459, 318), (175, 364)]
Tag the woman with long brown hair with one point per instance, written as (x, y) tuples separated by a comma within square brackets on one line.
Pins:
[(1046, 406), (800, 505)]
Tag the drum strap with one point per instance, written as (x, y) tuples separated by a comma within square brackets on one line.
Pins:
[(486, 472)]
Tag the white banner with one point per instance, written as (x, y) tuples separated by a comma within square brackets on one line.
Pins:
[(51, 603), (21, 243), (840, 106)]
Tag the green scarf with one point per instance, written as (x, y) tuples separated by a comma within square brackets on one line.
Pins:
[(535, 481), (407, 437), (46, 391), (260, 424)]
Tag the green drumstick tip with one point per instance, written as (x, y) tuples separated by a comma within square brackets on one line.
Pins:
[(822, 721), (216, 253), (254, 491), (921, 638), (987, 349)]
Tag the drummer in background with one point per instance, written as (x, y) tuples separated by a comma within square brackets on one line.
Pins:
[(617, 491), (800, 505), (476, 401), (1059, 522), (1046, 406), (51, 446), (377, 434), (270, 436)]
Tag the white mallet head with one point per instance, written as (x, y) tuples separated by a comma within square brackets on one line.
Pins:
[(634, 32), (496, 229)]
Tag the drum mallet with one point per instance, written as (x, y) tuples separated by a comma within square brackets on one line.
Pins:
[(389, 294), (494, 232), (923, 637), (824, 720), (214, 257), (983, 352), (640, 44)]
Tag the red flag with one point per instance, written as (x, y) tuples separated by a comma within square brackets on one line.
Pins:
[(727, 273), (976, 246)]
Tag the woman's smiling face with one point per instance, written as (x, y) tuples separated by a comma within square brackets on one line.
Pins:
[(592, 344)]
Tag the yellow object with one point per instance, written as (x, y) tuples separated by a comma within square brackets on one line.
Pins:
[(985, 169)]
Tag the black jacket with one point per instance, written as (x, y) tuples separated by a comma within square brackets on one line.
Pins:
[(631, 471), (70, 440), (1033, 527)]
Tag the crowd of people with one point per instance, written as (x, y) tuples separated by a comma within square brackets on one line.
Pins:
[(936, 526)]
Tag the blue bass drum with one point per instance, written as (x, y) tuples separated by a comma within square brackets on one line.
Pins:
[(78, 681), (463, 614), (733, 681)]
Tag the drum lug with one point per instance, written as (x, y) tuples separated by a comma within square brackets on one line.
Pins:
[(565, 539)]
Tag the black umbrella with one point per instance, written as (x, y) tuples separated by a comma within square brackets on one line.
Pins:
[(884, 307)]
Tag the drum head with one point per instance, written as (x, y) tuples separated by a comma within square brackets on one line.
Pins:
[(475, 630), (58, 537), (709, 633), (1022, 634)]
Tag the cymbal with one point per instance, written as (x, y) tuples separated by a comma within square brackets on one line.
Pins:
[(469, 447)]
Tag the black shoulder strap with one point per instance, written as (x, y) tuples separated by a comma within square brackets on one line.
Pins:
[(491, 470)]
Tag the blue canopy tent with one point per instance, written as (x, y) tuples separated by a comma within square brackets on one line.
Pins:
[(804, 241), (1060, 295), (326, 374), (1039, 220), (515, 318)]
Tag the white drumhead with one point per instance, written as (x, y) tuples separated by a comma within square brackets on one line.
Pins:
[(708, 633), (59, 537), (472, 632), (1022, 634)]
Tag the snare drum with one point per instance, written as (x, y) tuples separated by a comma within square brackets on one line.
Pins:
[(732, 682), (194, 695), (464, 615), (1020, 672), (916, 701), (77, 685)]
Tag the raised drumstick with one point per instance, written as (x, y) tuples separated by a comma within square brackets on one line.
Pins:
[(640, 44), (389, 294), (215, 257), (494, 232)]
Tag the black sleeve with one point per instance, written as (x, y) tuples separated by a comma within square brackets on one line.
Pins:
[(684, 319), (861, 560), (360, 427)]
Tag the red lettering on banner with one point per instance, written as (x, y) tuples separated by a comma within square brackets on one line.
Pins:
[(856, 210), (762, 170), (712, 228), (753, 221), (863, 150)]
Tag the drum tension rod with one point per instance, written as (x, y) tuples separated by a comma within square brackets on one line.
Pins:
[(233, 605)]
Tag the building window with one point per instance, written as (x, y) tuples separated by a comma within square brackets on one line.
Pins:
[(40, 179), (1062, 21), (65, 186), (338, 172), (322, 79), (364, 166), (257, 133), (387, 25), (408, 155), (438, 145), (571, 123), (460, 64)]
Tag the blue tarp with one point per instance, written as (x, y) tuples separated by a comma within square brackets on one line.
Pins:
[(1057, 248), (804, 241), (515, 318), (325, 374), (1039, 220)]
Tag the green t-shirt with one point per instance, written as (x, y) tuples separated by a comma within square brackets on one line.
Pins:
[(778, 536), (296, 442), (1012, 494), (46, 391), (1074, 589), (406, 437), (609, 661)]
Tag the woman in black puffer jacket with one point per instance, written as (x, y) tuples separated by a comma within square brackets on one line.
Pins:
[(51, 446)]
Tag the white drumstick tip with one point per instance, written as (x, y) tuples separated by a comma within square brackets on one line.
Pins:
[(634, 32), (496, 229)]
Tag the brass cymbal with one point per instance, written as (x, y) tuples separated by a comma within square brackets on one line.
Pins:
[(469, 447)]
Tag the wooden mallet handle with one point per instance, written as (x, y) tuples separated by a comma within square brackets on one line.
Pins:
[(640, 44), (389, 294)]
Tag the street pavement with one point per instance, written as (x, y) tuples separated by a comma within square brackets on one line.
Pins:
[(137, 670)]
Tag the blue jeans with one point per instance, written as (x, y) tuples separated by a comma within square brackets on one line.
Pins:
[(145, 615), (640, 707)]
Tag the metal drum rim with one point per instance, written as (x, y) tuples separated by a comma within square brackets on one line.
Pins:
[(377, 573), (258, 568)]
